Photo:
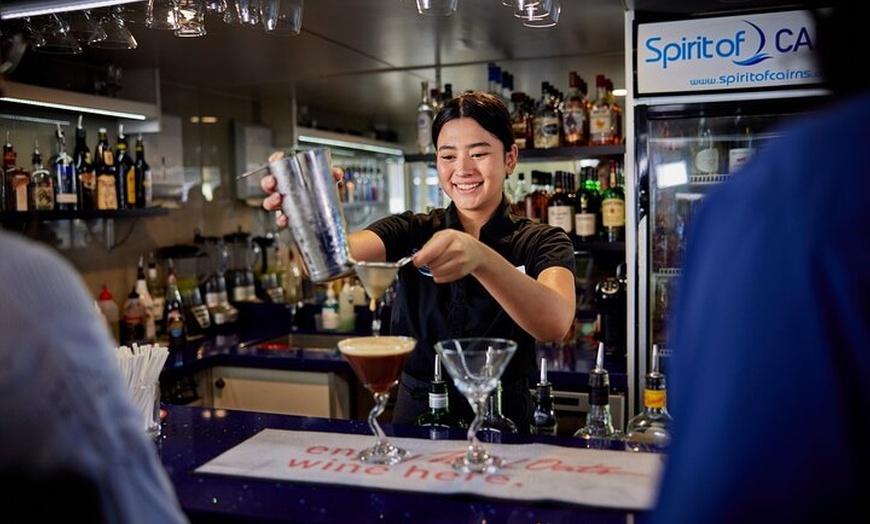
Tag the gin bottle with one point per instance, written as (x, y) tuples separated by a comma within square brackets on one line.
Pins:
[(494, 422), (598, 430), (544, 418), (439, 418), (649, 430)]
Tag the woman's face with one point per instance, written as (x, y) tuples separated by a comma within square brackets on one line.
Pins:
[(472, 165)]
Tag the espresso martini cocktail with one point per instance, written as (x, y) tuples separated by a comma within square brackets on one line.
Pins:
[(377, 362)]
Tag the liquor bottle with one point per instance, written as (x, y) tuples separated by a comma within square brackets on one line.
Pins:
[(439, 418), (174, 321), (147, 301), (42, 190), (547, 122), (536, 200), (65, 182), (128, 185), (84, 170), (544, 418), (706, 151), (598, 429), (494, 422), (425, 114), (600, 117), (587, 207), (106, 171), (447, 95), (521, 120), (132, 327), (610, 300), (560, 206), (17, 183), (574, 113), (157, 292), (615, 114), (144, 177), (518, 195), (649, 430), (742, 148), (613, 207)]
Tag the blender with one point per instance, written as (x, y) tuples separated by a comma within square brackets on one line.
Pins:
[(268, 287), (213, 283), (240, 275)]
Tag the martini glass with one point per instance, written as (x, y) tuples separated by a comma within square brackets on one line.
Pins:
[(476, 365), (378, 362), (376, 278)]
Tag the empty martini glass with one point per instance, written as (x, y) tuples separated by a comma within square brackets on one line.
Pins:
[(378, 362), (376, 278), (476, 365)]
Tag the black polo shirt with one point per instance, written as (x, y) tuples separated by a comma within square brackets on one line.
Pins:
[(430, 312)]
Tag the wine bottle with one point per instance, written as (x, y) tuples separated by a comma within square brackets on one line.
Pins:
[(649, 430), (439, 418), (65, 182), (42, 190), (598, 430), (544, 420), (144, 177), (127, 183), (560, 206), (587, 208)]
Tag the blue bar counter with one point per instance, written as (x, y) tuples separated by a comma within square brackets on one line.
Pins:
[(191, 436), (251, 343)]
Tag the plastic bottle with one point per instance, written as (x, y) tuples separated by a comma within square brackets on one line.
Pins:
[(329, 313), (110, 311), (346, 314)]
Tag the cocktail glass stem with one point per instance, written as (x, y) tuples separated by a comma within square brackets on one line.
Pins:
[(477, 459), (383, 452)]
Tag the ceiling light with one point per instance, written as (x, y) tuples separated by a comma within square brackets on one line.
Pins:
[(10, 9)]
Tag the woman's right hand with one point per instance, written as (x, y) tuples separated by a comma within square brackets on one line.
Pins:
[(273, 199)]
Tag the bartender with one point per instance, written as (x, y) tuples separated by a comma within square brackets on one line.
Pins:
[(479, 270)]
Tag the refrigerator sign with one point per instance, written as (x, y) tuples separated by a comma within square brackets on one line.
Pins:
[(729, 53)]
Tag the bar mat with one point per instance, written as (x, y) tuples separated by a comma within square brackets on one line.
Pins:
[(533, 472)]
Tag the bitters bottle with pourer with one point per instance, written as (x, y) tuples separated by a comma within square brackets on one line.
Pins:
[(598, 430)]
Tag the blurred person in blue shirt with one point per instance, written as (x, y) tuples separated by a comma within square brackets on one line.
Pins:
[(770, 374)]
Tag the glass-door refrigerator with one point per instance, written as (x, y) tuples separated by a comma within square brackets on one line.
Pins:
[(707, 94)]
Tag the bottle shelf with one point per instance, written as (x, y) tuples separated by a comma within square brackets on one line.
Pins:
[(598, 246), (24, 216), (547, 154)]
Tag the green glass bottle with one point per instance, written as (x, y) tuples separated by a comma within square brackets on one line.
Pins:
[(439, 419)]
